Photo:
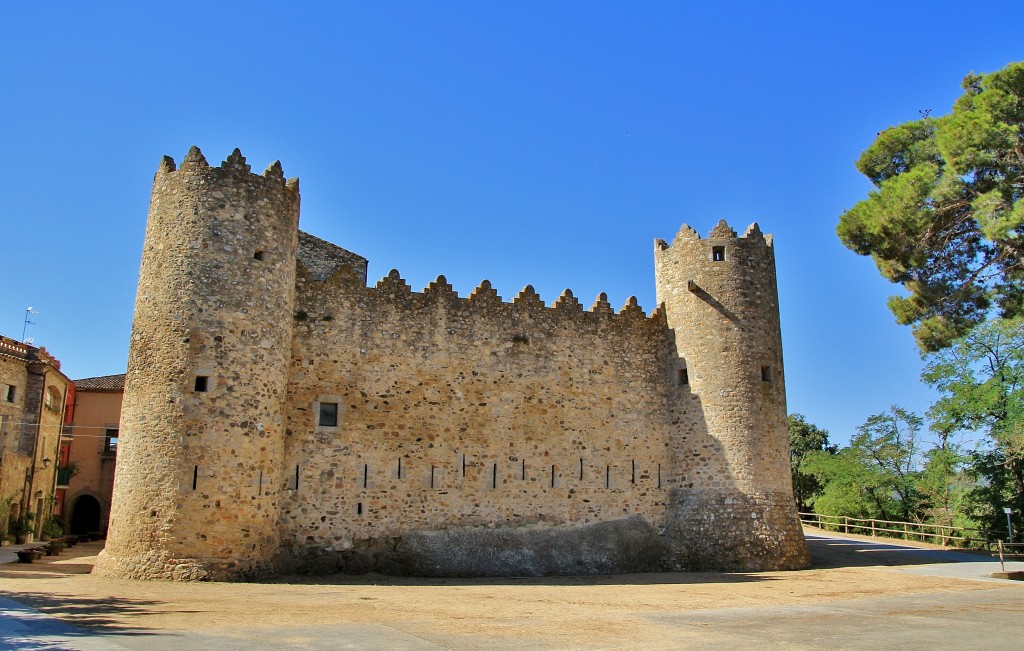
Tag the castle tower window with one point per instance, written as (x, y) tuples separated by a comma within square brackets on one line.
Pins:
[(766, 373), (328, 414), (718, 254), (684, 377), (258, 256), (201, 384), (8, 392)]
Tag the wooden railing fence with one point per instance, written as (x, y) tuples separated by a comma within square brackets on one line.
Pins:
[(939, 534)]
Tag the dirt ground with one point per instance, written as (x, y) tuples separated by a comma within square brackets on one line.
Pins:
[(553, 611)]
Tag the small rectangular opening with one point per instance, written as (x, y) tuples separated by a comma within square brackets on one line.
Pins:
[(766, 373), (201, 383), (328, 414), (684, 377), (359, 508), (110, 441), (258, 255), (9, 393), (718, 254), (366, 474), (296, 478), (195, 477), (494, 476)]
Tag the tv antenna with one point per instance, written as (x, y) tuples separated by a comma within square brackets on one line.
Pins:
[(28, 311)]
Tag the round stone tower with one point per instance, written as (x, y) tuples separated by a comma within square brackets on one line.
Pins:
[(197, 489), (733, 508)]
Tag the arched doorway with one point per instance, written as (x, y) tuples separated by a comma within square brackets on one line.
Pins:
[(85, 516)]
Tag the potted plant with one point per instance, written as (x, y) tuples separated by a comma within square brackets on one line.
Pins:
[(29, 555), (53, 528), (21, 527)]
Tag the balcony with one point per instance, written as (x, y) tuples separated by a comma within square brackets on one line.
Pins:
[(64, 476)]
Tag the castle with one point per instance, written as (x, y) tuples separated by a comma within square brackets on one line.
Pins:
[(281, 415)]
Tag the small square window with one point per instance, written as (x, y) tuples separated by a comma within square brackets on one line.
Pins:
[(684, 377), (110, 442), (258, 255), (766, 373), (718, 254), (202, 382), (9, 393), (328, 414)]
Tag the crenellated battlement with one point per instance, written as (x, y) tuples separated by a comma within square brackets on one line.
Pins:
[(721, 231), (233, 168), (393, 292)]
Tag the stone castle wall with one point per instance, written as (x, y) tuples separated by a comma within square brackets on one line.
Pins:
[(198, 470), (473, 435), (721, 298), (471, 411)]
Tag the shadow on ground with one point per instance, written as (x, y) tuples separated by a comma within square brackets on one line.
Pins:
[(96, 614), (828, 552), (645, 578)]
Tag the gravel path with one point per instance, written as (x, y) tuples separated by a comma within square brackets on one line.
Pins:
[(859, 595)]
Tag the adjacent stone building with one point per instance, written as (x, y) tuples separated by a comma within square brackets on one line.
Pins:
[(32, 393), (280, 414)]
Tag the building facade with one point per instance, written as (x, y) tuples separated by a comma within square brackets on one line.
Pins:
[(32, 396), (280, 414), (91, 439)]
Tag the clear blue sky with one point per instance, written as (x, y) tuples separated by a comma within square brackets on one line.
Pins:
[(546, 143)]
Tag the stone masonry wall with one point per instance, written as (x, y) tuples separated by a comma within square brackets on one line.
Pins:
[(470, 411), (29, 427), (196, 489), (13, 462), (321, 258), (721, 300)]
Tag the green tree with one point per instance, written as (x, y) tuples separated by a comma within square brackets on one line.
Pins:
[(981, 381), (876, 475), (890, 443), (805, 438), (946, 220), (946, 486), (849, 485)]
